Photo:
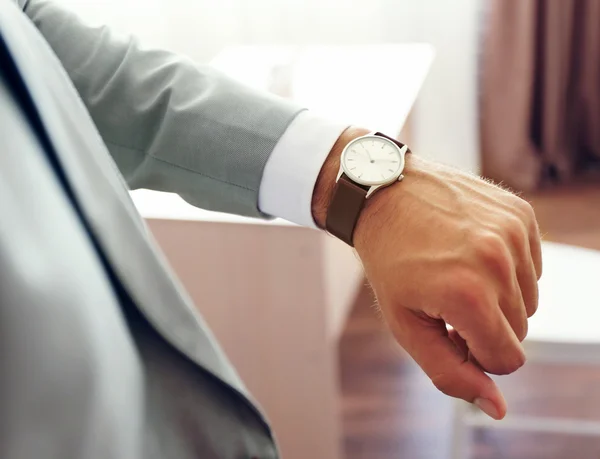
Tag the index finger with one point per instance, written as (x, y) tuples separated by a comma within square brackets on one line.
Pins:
[(474, 312), (446, 364)]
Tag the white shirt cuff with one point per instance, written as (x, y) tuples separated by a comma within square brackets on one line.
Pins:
[(292, 169)]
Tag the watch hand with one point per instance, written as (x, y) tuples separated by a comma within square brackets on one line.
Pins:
[(368, 154)]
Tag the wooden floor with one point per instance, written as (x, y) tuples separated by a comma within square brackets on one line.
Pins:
[(391, 410)]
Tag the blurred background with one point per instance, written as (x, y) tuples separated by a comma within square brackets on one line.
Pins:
[(506, 88)]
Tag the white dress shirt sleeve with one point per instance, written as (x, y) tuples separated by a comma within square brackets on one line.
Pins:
[(292, 169)]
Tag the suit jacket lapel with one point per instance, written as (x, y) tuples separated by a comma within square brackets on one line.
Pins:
[(104, 199)]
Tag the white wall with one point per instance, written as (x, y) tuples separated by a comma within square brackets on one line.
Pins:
[(446, 126), (445, 121)]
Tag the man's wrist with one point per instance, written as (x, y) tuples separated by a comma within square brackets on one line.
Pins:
[(326, 180)]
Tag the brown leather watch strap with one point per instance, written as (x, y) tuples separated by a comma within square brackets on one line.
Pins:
[(347, 202), (345, 206), (400, 144)]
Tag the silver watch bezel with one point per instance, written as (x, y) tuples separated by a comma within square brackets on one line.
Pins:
[(374, 184)]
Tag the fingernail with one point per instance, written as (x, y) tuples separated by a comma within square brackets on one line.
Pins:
[(487, 407)]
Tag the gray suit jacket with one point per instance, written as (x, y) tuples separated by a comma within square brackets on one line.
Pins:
[(102, 354)]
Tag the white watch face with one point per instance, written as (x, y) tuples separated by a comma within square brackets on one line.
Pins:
[(372, 160)]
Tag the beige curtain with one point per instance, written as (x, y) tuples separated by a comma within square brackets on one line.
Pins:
[(540, 91)]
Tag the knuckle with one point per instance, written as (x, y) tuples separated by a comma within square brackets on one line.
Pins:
[(468, 289), (516, 361), (526, 211), (493, 252), (509, 364), (524, 207), (490, 247), (445, 383), (522, 330), (451, 381), (516, 231), (520, 360), (532, 305)]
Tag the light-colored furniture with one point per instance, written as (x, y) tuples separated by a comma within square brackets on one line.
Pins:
[(277, 295), (373, 86), (564, 330)]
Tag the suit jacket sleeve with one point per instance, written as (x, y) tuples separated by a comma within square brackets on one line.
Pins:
[(169, 123)]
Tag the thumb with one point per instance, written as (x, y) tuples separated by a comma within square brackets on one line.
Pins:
[(444, 357)]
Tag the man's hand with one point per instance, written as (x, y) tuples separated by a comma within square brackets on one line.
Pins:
[(441, 248)]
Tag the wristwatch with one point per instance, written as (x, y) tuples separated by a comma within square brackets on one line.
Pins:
[(368, 163)]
